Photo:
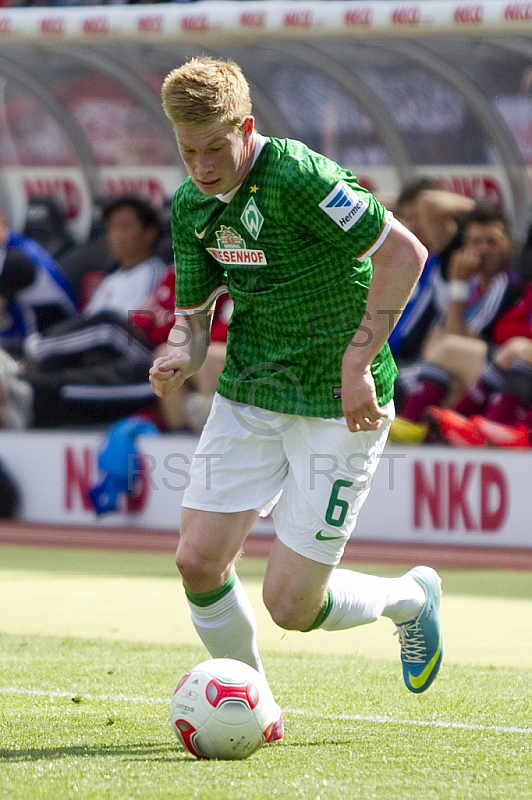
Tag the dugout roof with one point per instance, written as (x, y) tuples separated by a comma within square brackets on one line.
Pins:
[(390, 89)]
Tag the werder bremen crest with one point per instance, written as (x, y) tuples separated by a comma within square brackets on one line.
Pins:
[(251, 218)]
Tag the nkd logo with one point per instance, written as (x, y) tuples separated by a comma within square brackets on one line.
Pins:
[(195, 23), (53, 25), (406, 15), (518, 11), (359, 16), (253, 19), (153, 23), (78, 478), (469, 13), (298, 19), (96, 25), (453, 495)]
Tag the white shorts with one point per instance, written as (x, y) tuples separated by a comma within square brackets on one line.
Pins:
[(315, 472)]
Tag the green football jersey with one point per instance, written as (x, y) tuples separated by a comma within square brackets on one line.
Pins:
[(290, 248)]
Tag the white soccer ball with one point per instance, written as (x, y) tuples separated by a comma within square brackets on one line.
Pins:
[(223, 709)]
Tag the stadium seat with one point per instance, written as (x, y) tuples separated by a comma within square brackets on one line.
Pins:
[(46, 225), (86, 264)]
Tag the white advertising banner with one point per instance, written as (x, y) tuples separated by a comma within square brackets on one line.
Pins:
[(426, 494), (241, 21)]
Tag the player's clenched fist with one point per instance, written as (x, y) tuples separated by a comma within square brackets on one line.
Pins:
[(167, 373)]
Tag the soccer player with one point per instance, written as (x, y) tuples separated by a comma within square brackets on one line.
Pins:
[(316, 269)]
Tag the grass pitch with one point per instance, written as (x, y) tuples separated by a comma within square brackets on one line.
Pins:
[(86, 680)]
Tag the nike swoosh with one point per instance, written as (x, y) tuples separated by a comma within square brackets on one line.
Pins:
[(321, 538), (201, 234), (418, 681)]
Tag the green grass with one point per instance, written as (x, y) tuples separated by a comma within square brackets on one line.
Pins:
[(88, 718)]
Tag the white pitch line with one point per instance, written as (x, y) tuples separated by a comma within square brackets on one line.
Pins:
[(374, 720), (122, 698)]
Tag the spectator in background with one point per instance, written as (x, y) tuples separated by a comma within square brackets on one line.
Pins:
[(132, 227), (434, 215), (481, 288), (497, 408), (94, 369), (34, 292), (116, 385)]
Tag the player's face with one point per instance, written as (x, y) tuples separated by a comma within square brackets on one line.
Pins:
[(217, 156), (491, 245)]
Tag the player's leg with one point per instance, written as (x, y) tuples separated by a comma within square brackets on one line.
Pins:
[(302, 594), (221, 612), (234, 471), (314, 518)]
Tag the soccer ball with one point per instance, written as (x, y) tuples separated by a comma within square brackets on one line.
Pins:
[(223, 709)]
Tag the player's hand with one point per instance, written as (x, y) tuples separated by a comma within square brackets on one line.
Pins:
[(359, 401), (167, 374)]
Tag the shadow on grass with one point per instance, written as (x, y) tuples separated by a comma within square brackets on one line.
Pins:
[(152, 752), (155, 752)]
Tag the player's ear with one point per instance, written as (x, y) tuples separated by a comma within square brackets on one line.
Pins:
[(248, 126)]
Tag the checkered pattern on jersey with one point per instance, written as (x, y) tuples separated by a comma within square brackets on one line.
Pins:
[(298, 288)]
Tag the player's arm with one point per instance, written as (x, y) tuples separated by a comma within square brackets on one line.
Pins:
[(186, 349), (397, 265)]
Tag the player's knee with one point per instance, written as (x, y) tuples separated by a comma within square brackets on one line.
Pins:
[(193, 567), (287, 614)]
